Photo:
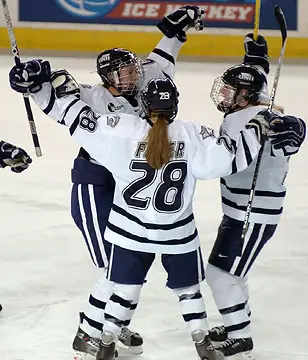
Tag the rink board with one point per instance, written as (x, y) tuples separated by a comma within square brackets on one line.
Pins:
[(142, 43), (93, 25)]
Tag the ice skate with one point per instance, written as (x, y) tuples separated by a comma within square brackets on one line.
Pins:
[(85, 346), (237, 349), (129, 342), (218, 334), (107, 347), (204, 347)]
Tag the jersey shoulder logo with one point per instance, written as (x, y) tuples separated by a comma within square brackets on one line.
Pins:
[(113, 120), (206, 132)]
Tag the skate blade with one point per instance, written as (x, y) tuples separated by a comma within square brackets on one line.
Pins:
[(128, 350), (78, 355), (246, 355)]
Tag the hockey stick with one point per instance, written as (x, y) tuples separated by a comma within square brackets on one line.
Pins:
[(257, 19), (279, 15), (17, 60)]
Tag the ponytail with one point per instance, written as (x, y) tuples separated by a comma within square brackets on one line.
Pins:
[(158, 148)]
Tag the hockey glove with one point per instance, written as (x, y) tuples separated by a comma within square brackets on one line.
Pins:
[(261, 126), (256, 52), (287, 133), (182, 19), (29, 76), (64, 84), (14, 157)]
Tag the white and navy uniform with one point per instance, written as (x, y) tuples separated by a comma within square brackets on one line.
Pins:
[(152, 209), (267, 203), (231, 258), (93, 184)]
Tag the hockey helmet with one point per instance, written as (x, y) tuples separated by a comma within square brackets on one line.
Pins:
[(161, 97), (121, 69), (237, 84)]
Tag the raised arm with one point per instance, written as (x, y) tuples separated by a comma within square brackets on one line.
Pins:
[(174, 27)]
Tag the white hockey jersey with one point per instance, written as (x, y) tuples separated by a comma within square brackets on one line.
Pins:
[(270, 189), (152, 209), (159, 64)]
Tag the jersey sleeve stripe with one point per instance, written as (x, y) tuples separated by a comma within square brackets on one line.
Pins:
[(51, 102), (67, 110), (164, 55), (246, 150), (152, 226)]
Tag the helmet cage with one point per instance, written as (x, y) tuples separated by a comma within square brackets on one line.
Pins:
[(223, 95), (125, 74), (238, 84)]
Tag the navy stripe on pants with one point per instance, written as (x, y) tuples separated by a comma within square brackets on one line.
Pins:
[(233, 255), (90, 208)]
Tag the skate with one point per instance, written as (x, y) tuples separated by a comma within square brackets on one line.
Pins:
[(218, 334), (107, 347), (85, 346), (129, 342), (237, 348), (204, 347)]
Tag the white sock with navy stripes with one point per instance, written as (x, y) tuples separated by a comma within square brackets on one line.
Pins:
[(193, 308), (95, 309), (230, 301), (120, 307)]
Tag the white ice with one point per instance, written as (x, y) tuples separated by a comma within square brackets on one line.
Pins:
[(45, 270)]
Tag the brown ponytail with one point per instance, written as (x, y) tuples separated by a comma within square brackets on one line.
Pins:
[(158, 148)]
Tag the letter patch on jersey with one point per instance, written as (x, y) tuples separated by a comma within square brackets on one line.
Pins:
[(88, 120), (113, 120), (206, 132)]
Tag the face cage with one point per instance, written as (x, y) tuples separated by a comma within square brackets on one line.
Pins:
[(123, 83), (222, 95)]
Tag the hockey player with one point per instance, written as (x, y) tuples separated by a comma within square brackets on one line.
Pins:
[(122, 74), (14, 157), (239, 94)]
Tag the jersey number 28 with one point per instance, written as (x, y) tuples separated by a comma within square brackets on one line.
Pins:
[(168, 193)]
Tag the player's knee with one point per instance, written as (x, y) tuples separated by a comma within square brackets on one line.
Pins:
[(190, 290), (217, 278), (127, 292)]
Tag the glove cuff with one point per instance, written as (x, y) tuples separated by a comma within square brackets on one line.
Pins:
[(171, 30)]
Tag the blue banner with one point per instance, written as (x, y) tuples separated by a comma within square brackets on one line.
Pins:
[(218, 13)]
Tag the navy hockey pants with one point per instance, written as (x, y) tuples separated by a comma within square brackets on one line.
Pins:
[(91, 201), (131, 267), (230, 253)]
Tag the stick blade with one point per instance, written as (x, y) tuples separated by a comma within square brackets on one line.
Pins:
[(279, 15)]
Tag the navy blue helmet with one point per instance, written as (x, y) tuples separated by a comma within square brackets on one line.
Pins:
[(121, 69), (160, 97), (238, 83)]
